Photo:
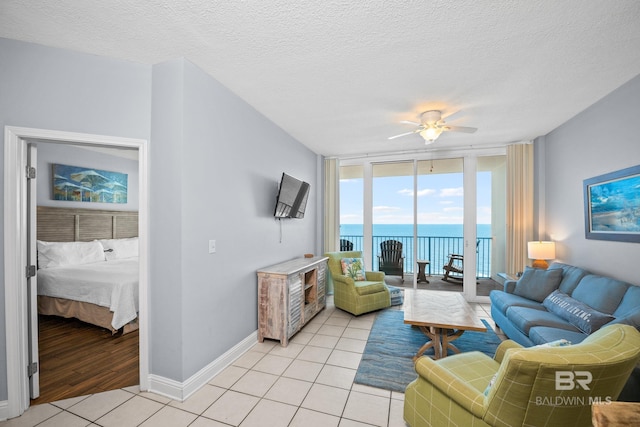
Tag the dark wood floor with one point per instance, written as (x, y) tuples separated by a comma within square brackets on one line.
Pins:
[(77, 359)]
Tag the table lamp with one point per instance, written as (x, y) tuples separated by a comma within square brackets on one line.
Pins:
[(540, 252)]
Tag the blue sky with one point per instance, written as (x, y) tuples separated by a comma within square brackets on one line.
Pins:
[(440, 199)]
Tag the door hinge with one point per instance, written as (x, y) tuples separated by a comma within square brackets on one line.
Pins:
[(32, 368), (31, 172), (31, 271)]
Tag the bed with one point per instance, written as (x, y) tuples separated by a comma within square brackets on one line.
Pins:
[(88, 266)]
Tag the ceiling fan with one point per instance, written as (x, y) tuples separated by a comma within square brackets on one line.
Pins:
[(431, 126)]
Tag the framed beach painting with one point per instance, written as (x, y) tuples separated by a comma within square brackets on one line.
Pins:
[(80, 184), (612, 206)]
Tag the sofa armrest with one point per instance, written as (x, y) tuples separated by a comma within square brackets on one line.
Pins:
[(374, 276), (510, 286), (458, 390), (345, 280), (502, 349)]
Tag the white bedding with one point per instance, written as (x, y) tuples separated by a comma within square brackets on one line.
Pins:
[(112, 284)]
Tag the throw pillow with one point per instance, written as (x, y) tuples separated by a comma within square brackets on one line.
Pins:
[(354, 268), (580, 315), (536, 284)]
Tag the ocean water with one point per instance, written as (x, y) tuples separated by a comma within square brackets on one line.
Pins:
[(435, 243), (424, 230)]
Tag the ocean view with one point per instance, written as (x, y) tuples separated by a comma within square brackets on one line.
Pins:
[(424, 230), (435, 242)]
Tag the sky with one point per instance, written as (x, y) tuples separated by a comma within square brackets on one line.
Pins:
[(440, 199)]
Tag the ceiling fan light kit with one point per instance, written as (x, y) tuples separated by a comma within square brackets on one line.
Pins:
[(430, 134), (432, 126)]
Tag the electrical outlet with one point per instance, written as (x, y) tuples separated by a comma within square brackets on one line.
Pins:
[(212, 246)]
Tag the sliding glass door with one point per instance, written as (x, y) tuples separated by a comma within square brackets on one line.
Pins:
[(393, 219), (446, 217), (440, 219), (351, 208)]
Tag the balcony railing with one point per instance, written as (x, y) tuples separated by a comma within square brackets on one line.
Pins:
[(434, 249)]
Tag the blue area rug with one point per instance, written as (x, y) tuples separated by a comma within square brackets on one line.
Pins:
[(387, 361)]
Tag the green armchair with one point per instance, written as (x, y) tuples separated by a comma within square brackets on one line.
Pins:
[(357, 297), (535, 386)]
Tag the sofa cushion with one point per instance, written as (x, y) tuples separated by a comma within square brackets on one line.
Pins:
[(630, 302), (364, 287), (503, 300), (601, 293), (545, 334), (354, 268), (525, 318), (585, 318), (630, 318), (571, 276), (536, 284)]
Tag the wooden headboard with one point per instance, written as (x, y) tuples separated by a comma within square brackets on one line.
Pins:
[(70, 225)]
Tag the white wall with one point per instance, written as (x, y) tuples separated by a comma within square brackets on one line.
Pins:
[(58, 89), (225, 160), (603, 138), (214, 167)]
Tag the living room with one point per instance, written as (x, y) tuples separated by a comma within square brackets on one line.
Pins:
[(215, 161)]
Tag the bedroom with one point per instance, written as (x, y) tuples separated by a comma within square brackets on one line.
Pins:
[(68, 345)]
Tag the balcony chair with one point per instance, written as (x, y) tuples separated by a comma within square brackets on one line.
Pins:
[(346, 245), (390, 260), (543, 385), (454, 269), (357, 296)]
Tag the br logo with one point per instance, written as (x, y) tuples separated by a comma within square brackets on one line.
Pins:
[(569, 380)]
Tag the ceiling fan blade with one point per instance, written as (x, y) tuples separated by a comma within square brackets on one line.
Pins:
[(460, 129), (409, 122), (402, 134), (451, 115)]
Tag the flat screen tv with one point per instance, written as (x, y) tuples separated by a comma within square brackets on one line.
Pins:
[(292, 198)]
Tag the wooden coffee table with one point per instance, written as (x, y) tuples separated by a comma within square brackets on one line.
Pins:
[(442, 316)]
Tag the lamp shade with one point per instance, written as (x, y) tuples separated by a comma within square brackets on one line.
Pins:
[(541, 251)]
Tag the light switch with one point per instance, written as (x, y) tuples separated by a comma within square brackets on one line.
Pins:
[(212, 246)]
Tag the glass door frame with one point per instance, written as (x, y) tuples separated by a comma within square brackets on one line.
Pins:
[(470, 159)]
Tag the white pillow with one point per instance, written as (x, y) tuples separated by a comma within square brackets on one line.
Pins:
[(60, 254), (120, 248)]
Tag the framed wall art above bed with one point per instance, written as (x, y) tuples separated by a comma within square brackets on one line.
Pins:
[(80, 184)]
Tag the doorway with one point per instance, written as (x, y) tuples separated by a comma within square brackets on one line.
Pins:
[(18, 305)]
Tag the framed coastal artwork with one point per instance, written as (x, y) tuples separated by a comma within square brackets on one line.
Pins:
[(81, 184), (612, 206)]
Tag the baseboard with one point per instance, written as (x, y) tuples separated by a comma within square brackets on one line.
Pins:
[(4, 410), (182, 390)]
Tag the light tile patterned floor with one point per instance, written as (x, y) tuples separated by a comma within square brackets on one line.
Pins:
[(309, 383)]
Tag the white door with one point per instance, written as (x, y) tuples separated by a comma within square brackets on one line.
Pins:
[(31, 272)]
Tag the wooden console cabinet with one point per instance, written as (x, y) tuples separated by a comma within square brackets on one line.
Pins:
[(289, 295)]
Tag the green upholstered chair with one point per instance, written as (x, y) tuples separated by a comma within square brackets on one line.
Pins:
[(357, 297), (535, 386)]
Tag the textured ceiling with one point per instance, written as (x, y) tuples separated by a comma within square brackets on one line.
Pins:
[(340, 75)]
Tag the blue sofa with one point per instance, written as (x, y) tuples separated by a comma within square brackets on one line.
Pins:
[(563, 302), (522, 309)]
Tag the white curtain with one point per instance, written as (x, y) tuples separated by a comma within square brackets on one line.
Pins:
[(519, 205), (331, 211)]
